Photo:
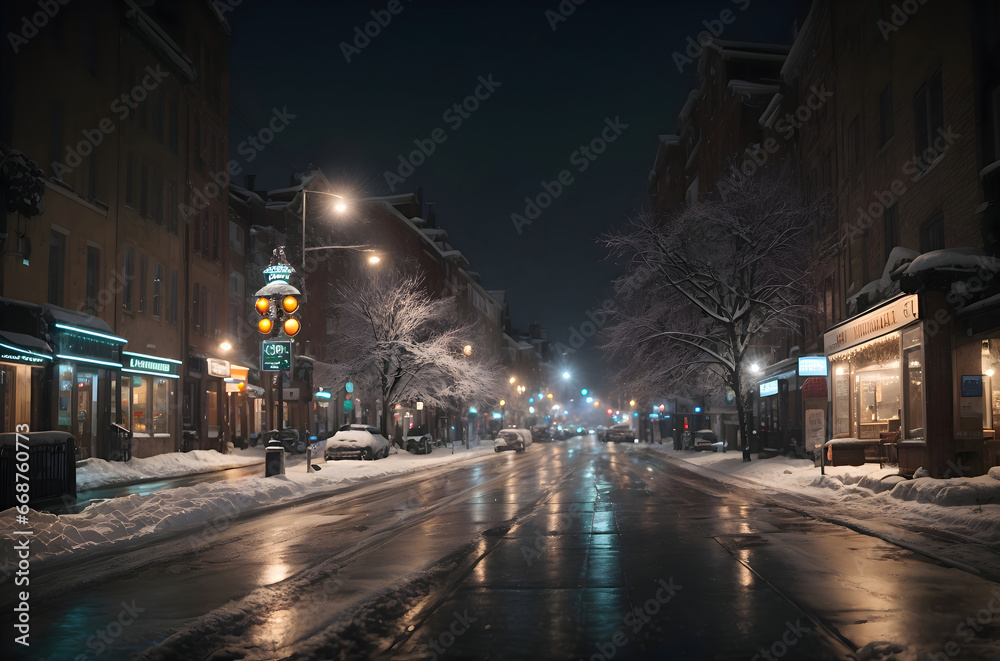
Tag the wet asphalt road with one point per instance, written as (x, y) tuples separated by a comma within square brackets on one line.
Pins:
[(572, 550)]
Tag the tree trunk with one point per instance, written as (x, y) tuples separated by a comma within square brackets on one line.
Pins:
[(741, 416)]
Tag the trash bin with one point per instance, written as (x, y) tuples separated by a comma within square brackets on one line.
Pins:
[(274, 458)]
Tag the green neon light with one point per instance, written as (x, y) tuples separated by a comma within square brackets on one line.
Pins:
[(25, 351), (113, 338), (144, 355), (89, 360)]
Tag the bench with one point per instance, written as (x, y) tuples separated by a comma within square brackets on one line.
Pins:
[(859, 451)]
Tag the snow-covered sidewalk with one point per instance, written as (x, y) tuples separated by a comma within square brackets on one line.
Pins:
[(97, 473), (955, 520), (127, 521)]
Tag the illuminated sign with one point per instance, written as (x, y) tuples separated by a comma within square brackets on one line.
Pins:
[(812, 366), (278, 273), (143, 364), (769, 388), (13, 354), (881, 321), (323, 394), (275, 355)]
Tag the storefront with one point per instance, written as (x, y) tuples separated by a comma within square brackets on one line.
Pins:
[(781, 402), (879, 378), (87, 365), (148, 402), (25, 367), (24, 362)]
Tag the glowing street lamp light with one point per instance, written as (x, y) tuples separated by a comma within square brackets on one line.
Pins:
[(565, 375)]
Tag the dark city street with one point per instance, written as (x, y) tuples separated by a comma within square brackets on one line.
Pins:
[(506, 329)]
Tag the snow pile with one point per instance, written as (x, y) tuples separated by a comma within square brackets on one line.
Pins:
[(136, 517), (96, 473), (955, 492)]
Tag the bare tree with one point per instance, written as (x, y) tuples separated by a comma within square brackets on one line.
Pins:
[(401, 345), (705, 283)]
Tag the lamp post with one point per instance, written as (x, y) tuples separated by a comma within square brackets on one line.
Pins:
[(339, 207)]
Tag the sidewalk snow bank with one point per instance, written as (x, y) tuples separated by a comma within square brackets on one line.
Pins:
[(136, 517), (98, 473)]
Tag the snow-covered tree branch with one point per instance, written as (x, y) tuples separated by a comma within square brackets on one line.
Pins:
[(705, 283), (400, 344)]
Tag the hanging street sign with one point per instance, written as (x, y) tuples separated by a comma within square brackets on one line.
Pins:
[(276, 355)]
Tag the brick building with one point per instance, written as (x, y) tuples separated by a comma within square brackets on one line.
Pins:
[(904, 147), (118, 106)]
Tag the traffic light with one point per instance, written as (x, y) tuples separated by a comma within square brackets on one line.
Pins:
[(278, 315)]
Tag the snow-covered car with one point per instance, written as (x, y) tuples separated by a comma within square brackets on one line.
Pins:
[(357, 442), (512, 439), (705, 439), (620, 433), (419, 443)]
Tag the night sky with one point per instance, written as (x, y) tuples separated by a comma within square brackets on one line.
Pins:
[(552, 91)]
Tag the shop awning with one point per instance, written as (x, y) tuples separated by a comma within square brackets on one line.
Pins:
[(21, 348)]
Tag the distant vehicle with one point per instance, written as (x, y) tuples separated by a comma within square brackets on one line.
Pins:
[(419, 443), (620, 433), (512, 439), (705, 439), (357, 442), (540, 433)]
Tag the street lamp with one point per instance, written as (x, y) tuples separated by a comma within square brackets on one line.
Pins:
[(339, 207)]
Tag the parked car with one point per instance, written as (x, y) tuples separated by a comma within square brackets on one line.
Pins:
[(620, 433), (705, 439), (540, 433), (561, 433), (357, 442), (418, 443), (512, 439)]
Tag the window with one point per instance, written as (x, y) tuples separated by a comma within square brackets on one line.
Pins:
[(197, 141), (853, 142), (204, 309), (93, 277), (236, 301), (213, 242), (932, 234), (129, 180), (158, 115), (215, 324), (144, 189), (173, 297), (158, 196), (157, 290), (913, 384), (928, 118), (173, 125), (885, 114), (171, 210), (235, 238), (142, 283), (93, 171), (891, 220), (196, 307), (205, 240), (57, 267), (129, 276)]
